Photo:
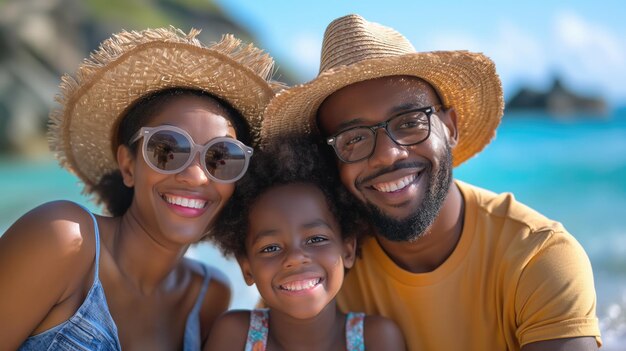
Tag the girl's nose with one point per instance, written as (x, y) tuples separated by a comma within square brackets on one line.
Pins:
[(296, 256)]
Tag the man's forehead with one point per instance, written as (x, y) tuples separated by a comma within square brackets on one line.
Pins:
[(415, 88), (380, 96), (411, 87)]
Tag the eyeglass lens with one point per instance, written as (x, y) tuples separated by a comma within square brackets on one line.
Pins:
[(225, 160), (169, 151)]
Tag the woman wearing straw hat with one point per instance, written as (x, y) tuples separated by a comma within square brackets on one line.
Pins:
[(155, 124), (456, 266)]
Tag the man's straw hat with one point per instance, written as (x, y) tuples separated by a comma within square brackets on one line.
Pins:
[(356, 50), (131, 64)]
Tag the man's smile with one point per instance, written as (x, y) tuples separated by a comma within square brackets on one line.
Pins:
[(396, 185)]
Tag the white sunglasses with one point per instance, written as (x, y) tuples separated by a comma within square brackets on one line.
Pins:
[(169, 150)]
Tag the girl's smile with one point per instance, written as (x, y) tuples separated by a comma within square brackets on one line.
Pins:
[(301, 285)]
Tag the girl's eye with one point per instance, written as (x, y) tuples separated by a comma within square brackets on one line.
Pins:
[(316, 239), (270, 249)]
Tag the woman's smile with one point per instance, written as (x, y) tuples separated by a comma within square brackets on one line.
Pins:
[(185, 206)]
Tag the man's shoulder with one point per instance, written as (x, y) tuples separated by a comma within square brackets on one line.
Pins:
[(492, 207), (513, 231)]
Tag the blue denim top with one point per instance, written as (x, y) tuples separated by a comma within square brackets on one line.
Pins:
[(93, 328)]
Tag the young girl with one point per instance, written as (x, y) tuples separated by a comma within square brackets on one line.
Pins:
[(155, 125), (293, 232)]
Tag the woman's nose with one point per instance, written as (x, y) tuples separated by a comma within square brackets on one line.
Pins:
[(194, 174)]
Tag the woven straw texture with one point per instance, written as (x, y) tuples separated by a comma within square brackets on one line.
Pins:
[(356, 50), (131, 64)]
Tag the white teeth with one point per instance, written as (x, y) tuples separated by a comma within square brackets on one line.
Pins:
[(301, 284), (184, 202), (395, 185)]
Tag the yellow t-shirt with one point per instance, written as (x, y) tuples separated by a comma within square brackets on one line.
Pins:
[(514, 278)]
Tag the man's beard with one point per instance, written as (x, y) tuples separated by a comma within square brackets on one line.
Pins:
[(416, 224)]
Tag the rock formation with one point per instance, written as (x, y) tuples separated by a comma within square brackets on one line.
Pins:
[(42, 39), (558, 101)]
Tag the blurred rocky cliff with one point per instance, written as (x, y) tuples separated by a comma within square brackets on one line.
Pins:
[(559, 102), (42, 39)]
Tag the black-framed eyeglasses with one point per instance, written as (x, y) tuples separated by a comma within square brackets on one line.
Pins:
[(406, 128)]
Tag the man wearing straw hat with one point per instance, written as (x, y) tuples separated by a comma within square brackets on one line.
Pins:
[(456, 266)]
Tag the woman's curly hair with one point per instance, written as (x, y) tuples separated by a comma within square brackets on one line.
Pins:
[(288, 160)]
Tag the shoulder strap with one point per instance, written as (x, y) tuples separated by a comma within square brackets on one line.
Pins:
[(354, 331), (97, 236), (257, 333), (192, 339), (205, 285)]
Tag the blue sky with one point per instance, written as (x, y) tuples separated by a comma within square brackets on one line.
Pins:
[(582, 41)]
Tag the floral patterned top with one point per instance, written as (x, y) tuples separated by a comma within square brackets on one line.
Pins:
[(259, 321)]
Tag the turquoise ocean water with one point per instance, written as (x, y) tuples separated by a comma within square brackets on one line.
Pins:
[(574, 172)]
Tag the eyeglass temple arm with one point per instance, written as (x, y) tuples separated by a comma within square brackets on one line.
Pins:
[(138, 135)]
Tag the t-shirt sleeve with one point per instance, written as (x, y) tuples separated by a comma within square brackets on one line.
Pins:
[(555, 297)]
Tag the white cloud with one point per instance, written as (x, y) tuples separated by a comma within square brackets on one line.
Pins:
[(590, 54), (585, 39)]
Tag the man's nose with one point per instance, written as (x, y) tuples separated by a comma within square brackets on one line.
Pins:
[(386, 151)]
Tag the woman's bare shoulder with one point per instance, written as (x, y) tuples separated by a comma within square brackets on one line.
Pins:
[(45, 257), (59, 228)]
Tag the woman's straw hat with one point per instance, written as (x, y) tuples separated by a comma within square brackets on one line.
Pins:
[(356, 50), (131, 64)]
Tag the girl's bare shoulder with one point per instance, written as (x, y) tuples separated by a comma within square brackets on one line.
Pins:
[(230, 331), (382, 333)]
